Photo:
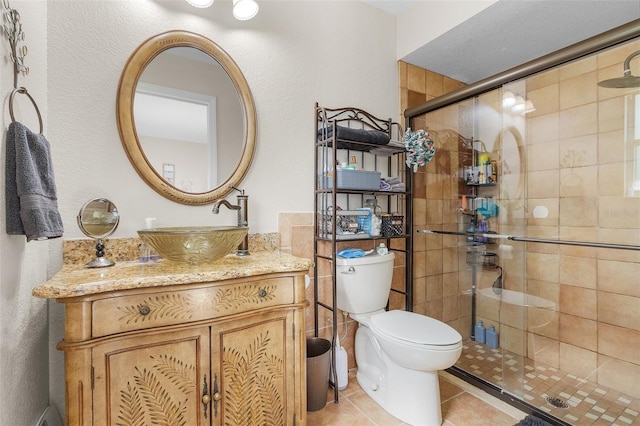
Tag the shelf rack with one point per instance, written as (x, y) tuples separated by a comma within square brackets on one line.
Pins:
[(331, 149)]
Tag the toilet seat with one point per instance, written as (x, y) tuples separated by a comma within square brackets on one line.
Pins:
[(411, 329)]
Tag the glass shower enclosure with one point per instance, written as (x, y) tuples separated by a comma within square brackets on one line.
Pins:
[(533, 238)]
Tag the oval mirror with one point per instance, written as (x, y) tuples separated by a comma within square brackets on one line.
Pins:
[(98, 218), (186, 117)]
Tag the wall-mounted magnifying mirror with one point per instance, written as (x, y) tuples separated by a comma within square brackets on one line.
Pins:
[(98, 218), (186, 117)]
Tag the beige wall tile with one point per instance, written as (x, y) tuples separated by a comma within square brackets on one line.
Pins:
[(620, 343), (620, 310), (513, 339), (578, 301), (619, 277), (578, 68), (579, 182), (543, 267), (543, 349), (579, 152), (543, 128), (434, 287), (434, 262), (420, 212), (450, 284), (542, 79), (581, 362), (620, 212), (579, 332), (302, 241), (611, 179), (434, 84), (543, 184), (579, 121), (416, 79), (579, 90), (548, 206), (611, 147), (543, 156), (544, 289), (513, 315), (488, 308), (544, 322), (611, 114), (434, 212), (579, 211), (546, 99), (450, 308), (578, 271)]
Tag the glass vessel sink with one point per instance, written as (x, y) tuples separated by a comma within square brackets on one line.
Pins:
[(194, 245)]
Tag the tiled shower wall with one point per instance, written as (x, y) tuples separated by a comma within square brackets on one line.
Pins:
[(574, 164)]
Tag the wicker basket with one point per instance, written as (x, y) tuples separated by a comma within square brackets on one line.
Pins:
[(392, 225)]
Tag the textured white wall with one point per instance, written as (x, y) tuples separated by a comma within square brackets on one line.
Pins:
[(292, 54), (24, 349)]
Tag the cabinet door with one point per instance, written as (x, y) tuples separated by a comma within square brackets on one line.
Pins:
[(152, 379), (253, 365)]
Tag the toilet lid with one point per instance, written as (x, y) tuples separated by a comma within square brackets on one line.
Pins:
[(415, 328)]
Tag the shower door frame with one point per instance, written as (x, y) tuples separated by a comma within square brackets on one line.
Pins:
[(606, 40)]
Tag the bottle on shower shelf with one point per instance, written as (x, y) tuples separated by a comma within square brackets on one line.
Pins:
[(479, 332), (492, 337)]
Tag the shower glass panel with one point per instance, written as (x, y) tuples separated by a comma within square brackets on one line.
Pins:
[(531, 226)]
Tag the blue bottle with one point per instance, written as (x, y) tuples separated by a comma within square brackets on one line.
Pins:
[(492, 337), (479, 332)]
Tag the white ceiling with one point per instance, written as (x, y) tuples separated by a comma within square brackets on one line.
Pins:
[(511, 32)]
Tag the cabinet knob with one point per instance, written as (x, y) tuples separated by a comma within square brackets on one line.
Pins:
[(144, 310), (262, 292), (206, 399), (217, 396)]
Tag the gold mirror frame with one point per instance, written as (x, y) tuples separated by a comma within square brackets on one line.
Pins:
[(136, 64)]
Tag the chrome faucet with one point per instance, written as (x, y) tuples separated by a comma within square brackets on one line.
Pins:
[(243, 216)]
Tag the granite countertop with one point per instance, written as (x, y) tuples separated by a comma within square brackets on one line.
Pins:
[(76, 280)]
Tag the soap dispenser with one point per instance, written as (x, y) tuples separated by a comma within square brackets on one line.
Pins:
[(492, 337), (479, 332), (147, 254)]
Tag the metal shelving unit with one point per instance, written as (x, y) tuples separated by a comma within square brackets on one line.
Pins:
[(335, 202)]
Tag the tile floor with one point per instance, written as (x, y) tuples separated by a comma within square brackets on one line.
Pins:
[(578, 400), (462, 405)]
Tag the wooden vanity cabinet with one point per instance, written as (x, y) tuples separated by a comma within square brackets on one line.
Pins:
[(224, 353)]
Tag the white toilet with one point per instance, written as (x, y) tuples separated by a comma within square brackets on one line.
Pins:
[(398, 353)]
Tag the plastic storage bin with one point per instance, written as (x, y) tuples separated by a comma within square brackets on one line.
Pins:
[(353, 179)]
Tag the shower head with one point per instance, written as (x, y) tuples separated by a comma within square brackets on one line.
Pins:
[(627, 80)]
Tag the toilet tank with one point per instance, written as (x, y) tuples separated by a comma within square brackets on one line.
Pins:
[(363, 283)]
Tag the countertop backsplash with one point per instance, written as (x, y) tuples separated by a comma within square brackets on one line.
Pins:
[(78, 252)]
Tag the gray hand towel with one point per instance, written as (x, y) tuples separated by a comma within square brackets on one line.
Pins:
[(30, 189)]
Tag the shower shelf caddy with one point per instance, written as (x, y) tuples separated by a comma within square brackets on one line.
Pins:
[(336, 202)]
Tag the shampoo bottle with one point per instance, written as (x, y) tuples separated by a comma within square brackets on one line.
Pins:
[(479, 332), (492, 337)]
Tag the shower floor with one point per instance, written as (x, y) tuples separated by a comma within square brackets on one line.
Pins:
[(572, 399)]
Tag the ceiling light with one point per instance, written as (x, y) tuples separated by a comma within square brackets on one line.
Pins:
[(508, 99), (200, 3), (244, 9), (519, 106)]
